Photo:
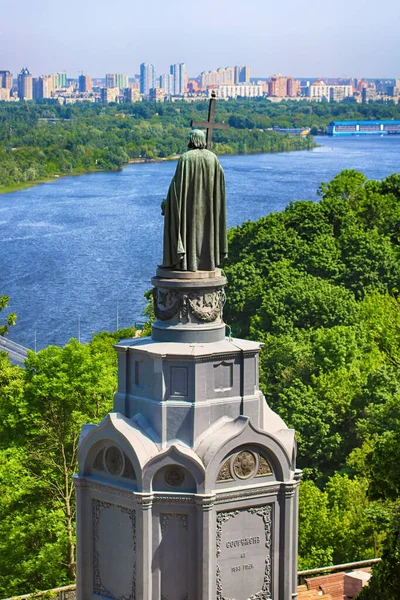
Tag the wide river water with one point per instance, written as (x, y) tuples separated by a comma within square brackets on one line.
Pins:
[(77, 252)]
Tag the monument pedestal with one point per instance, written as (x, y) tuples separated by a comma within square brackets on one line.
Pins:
[(188, 306), (188, 490)]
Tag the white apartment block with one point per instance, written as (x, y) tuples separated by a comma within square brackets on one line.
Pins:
[(235, 91), (320, 90)]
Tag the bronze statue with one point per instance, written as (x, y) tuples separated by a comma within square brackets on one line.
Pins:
[(195, 211)]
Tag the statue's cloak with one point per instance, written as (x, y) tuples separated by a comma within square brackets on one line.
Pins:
[(195, 214)]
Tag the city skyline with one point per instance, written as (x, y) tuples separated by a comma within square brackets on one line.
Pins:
[(337, 37)]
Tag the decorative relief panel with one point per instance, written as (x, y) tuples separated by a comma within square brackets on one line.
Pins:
[(200, 306), (243, 550), (244, 465), (175, 554), (174, 476), (223, 376), (264, 468), (115, 462), (179, 381), (166, 517), (225, 472), (99, 461), (129, 471), (114, 551)]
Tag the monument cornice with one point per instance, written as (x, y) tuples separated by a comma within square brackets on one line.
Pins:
[(247, 494)]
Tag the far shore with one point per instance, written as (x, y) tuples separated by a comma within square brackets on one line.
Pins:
[(133, 161)]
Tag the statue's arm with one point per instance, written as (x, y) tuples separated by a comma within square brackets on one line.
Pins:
[(163, 204)]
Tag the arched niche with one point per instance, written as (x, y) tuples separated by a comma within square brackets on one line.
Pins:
[(108, 460), (174, 478), (157, 474), (248, 463)]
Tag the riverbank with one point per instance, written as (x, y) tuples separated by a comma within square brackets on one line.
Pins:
[(28, 184)]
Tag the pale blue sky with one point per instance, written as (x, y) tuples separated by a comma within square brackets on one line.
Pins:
[(302, 38)]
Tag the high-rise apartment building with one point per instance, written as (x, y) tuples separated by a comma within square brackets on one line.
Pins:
[(42, 87), (147, 78), (242, 74), (110, 80), (25, 91), (156, 95), (62, 80), (221, 76), (166, 83), (118, 80), (85, 83), (121, 81), (178, 73), (109, 94), (6, 80), (277, 86), (132, 95), (292, 87)]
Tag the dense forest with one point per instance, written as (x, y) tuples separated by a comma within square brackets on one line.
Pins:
[(43, 141), (319, 284)]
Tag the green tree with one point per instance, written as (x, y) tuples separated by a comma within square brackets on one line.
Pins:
[(9, 319)]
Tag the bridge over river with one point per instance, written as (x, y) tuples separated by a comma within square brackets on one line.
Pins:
[(16, 352)]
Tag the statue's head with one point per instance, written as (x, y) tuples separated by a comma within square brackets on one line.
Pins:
[(197, 140)]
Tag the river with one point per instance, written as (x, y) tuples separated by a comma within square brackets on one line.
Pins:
[(78, 253)]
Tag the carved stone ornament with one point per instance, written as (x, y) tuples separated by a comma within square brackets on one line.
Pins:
[(98, 587), (264, 468), (99, 461), (174, 476), (114, 460), (244, 464), (265, 512), (129, 471), (166, 517), (225, 472), (205, 306)]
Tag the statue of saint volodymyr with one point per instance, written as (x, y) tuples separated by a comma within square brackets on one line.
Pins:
[(195, 211)]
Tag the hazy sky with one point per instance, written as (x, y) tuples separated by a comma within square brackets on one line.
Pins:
[(301, 38)]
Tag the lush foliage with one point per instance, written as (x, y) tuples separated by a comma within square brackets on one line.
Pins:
[(319, 285), (42, 409), (9, 319), (90, 136)]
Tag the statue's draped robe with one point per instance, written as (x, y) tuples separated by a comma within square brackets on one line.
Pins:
[(195, 214)]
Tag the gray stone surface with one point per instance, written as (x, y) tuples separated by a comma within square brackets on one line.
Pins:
[(188, 306), (188, 490)]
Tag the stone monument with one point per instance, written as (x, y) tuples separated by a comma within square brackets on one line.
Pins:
[(188, 490)]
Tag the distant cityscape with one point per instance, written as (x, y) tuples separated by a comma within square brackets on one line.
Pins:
[(226, 82)]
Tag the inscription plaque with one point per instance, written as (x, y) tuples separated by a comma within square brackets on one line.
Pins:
[(244, 554)]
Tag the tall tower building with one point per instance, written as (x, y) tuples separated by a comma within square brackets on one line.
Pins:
[(178, 73), (85, 83), (292, 87), (242, 74), (62, 80), (110, 80), (6, 80), (121, 81), (25, 91), (277, 86), (147, 78), (166, 83), (42, 87)]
